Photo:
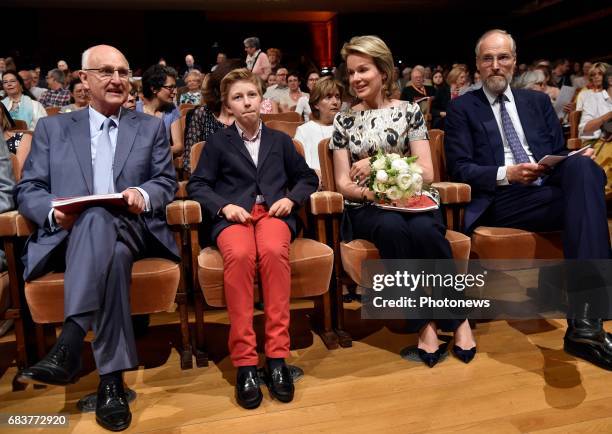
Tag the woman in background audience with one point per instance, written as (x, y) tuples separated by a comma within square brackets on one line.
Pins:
[(130, 102), (551, 90), (325, 101), (303, 106), (159, 91), (533, 80), (193, 80), (19, 101), (19, 143), (381, 123), (289, 101), (595, 83), (457, 80), (274, 57), (210, 117), (80, 96)]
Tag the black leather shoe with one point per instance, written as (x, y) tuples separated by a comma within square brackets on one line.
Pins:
[(248, 393), (112, 408), (587, 340), (59, 368), (280, 383)]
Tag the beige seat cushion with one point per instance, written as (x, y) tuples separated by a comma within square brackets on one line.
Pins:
[(311, 268), (357, 251), (491, 243), (153, 289)]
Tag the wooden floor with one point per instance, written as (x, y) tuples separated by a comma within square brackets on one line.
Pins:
[(521, 381)]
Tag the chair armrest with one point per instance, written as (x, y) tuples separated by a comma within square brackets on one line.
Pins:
[(181, 193), (453, 192), (192, 212), (174, 213), (24, 226), (326, 202), (8, 226)]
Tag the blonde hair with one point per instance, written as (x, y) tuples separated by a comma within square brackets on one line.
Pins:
[(236, 75), (323, 87), (454, 74), (376, 48)]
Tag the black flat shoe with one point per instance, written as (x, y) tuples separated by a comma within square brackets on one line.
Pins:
[(58, 368), (248, 393), (430, 359), (465, 356), (112, 408), (280, 383)]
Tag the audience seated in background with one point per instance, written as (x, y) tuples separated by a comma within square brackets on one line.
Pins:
[(416, 90), (533, 80), (80, 96), (595, 83), (255, 179), (580, 78), (279, 90), (289, 101), (209, 118), (57, 95), (7, 184), (303, 106), (256, 60), (190, 66), (29, 84), (221, 57), (19, 102), (18, 143), (274, 57), (325, 101), (193, 80), (551, 90), (559, 71), (159, 91)]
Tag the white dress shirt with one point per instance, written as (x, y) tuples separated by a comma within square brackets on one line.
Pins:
[(252, 146), (595, 104), (516, 122)]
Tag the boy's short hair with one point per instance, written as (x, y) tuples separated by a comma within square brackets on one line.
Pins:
[(235, 76)]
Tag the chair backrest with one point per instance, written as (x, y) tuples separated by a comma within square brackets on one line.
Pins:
[(286, 116), (19, 125), (436, 146), (184, 108), (52, 111), (574, 121), (286, 127), (299, 147), (194, 156)]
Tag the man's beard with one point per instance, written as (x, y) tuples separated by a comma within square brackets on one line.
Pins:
[(496, 84)]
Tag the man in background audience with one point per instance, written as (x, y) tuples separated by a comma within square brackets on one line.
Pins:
[(494, 138), (190, 66), (57, 95), (221, 57), (28, 82), (560, 68), (99, 150), (279, 90), (256, 60)]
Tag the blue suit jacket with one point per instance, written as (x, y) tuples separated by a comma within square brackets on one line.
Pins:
[(474, 147), (59, 165), (226, 175)]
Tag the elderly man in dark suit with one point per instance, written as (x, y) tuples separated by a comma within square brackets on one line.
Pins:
[(99, 150), (494, 138)]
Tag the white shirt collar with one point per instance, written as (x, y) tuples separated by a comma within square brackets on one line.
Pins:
[(492, 98), (96, 119), (243, 136)]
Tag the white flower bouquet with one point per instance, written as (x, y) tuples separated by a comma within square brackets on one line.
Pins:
[(395, 179)]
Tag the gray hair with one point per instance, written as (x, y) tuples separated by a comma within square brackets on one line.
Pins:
[(419, 68), (57, 74), (253, 41), (499, 32), (529, 78)]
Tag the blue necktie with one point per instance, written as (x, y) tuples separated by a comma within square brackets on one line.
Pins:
[(519, 153), (103, 165)]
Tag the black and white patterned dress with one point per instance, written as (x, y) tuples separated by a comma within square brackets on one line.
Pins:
[(364, 132)]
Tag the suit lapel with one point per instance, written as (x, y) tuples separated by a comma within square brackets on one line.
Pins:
[(128, 128), (265, 145), (80, 136), (236, 141), (491, 127)]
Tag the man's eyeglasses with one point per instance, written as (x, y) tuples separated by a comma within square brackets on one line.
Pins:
[(170, 87), (107, 72), (502, 59)]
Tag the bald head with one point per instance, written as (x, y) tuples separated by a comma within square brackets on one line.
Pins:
[(94, 56), (496, 34)]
